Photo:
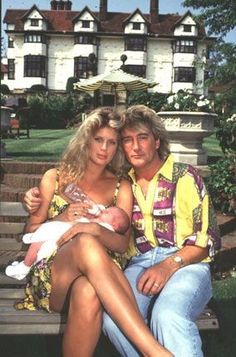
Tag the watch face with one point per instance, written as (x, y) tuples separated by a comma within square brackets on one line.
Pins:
[(178, 259)]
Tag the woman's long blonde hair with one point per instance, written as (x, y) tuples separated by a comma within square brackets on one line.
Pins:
[(75, 158)]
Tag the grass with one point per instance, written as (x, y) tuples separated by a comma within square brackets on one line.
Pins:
[(223, 342), (48, 145)]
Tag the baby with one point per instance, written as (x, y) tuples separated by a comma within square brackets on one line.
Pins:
[(44, 240)]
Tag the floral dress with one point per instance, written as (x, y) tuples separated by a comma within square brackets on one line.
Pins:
[(38, 286)]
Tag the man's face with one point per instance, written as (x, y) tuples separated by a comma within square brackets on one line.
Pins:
[(140, 147)]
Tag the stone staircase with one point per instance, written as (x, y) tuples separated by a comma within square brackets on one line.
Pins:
[(17, 177)]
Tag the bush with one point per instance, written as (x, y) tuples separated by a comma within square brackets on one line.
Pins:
[(56, 111), (154, 101), (221, 184), (38, 88), (70, 84), (226, 133), (5, 89)]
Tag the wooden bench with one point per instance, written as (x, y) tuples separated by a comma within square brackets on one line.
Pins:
[(13, 322)]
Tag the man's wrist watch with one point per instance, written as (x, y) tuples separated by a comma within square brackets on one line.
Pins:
[(178, 260)]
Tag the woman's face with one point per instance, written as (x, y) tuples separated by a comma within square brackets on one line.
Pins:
[(103, 146)]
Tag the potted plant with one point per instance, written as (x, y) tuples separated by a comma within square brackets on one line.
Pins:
[(189, 118)]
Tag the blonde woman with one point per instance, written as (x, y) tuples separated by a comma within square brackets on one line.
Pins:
[(81, 273)]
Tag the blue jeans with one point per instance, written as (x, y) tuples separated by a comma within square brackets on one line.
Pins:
[(172, 313)]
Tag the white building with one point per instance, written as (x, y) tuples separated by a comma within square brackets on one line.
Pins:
[(48, 46)]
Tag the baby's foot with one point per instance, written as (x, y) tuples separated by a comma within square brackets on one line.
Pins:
[(17, 270)]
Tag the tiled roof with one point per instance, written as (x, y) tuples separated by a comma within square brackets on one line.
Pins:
[(62, 20)]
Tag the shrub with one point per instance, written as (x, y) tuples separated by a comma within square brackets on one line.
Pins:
[(226, 133), (5, 89), (56, 111), (154, 101), (221, 184), (38, 88), (70, 84)]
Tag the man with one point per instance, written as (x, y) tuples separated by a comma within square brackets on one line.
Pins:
[(175, 236)]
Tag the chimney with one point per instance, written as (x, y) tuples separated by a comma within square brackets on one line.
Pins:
[(154, 10), (61, 5), (53, 5), (68, 5), (103, 10)]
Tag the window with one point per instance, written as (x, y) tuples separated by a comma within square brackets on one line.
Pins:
[(35, 38), (187, 28), (81, 67), (10, 42), (184, 74), (185, 46), (85, 39), (34, 66), (137, 70), (136, 26), (34, 22), (86, 23), (135, 44), (11, 69)]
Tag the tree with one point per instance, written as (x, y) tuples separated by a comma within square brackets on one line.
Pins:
[(218, 15)]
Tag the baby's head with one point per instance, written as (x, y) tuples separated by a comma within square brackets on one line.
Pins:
[(116, 217)]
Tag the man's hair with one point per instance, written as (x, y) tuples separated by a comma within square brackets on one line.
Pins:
[(75, 158), (139, 116)]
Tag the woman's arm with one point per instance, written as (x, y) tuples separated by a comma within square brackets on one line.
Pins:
[(111, 240), (46, 189)]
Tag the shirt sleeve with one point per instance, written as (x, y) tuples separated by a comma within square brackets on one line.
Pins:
[(195, 217)]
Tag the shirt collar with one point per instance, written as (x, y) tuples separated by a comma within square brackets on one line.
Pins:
[(166, 170)]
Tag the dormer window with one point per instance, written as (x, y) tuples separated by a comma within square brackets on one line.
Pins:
[(135, 44), (34, 22), (136, 26), (86, 24), (187, 28)]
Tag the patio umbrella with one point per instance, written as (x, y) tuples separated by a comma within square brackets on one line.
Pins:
[(115, 81)]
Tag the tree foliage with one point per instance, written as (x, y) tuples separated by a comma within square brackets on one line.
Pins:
[(218, 15)]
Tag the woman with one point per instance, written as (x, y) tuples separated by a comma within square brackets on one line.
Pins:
[(81, 270)]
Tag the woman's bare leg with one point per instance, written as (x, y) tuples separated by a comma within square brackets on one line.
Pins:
[(84, 320), (86, 256)]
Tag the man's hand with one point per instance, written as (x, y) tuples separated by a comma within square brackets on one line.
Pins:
[(32, 200), (155, 277)]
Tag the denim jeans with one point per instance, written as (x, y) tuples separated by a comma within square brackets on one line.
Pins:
[(172, 313)]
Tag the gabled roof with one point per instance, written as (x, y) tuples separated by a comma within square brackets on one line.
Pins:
[(63, 21), (137, 11), (85, 9), (188, 13), (34, 7)]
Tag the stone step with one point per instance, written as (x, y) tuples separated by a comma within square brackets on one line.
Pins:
[(23, 181), (12, 194), (15, 167)]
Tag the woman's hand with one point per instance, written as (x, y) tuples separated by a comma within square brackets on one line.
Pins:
[(75, 211), (32, 200)]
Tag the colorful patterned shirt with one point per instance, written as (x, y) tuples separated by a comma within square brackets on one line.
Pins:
[(176, 211)]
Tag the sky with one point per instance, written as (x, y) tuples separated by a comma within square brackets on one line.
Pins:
[(165, 6)]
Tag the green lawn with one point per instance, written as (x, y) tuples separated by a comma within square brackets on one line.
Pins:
[(223, 342), (48, 145)]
